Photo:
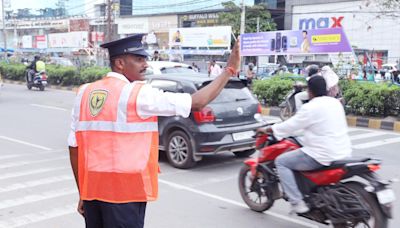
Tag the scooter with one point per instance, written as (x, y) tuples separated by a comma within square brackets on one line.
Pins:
[(348, 193), (39, 80), (288, 106)]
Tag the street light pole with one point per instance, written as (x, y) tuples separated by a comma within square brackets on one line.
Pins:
[(4, 30)]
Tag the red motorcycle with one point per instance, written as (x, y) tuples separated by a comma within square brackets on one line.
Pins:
[(333, 198)]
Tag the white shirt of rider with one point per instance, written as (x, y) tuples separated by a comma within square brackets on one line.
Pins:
[(323, 129)]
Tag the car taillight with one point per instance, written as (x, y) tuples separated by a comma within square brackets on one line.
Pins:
[(205, 115), (373, 167), (259, 108)]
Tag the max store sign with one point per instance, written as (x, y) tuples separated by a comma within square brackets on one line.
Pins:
[(320, 23)]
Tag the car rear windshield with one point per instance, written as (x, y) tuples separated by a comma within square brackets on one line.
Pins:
[(234, 91)]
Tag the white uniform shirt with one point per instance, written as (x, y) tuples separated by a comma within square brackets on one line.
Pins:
[(215, 70), (322, 123), (150, 102)]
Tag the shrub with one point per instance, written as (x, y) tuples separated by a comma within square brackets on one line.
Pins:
[(371, 99), (272, 91), (13, 71), (62, 75), (90, 74)]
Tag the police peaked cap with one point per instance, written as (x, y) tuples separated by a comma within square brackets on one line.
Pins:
[(128, 45)]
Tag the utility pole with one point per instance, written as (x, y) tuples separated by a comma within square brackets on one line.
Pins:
[(242, 27), (4, 30), (108, 37), (258, 30)]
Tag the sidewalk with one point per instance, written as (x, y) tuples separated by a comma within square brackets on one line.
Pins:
[(389, 123)]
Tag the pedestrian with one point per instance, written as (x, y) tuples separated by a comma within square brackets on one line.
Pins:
[(113, 143), (250, 74), (156, 56), (214, 69)]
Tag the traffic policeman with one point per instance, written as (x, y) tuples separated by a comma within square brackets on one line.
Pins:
[(113, 141)]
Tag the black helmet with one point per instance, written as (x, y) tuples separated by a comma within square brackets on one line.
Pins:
[(312, 69)]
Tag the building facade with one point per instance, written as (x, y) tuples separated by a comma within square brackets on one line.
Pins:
[(368, 30)]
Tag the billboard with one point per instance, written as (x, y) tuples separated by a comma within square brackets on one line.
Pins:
[(201, 37), (316, 41), (68, 40)]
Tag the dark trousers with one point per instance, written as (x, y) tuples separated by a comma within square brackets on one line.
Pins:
[(100, 214)]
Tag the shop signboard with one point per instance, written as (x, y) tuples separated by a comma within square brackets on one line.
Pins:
[(68, 40), (219, 36), (292, 42), (133, 25), (199, 19), (27, 41), (162, 23), (40, 42), (33, 24), (78, 25)]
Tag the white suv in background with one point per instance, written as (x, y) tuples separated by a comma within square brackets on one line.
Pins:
[(164, 67)]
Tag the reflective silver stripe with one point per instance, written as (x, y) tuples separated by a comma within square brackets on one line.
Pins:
[(78, 101), (117, 126), (123, 102)]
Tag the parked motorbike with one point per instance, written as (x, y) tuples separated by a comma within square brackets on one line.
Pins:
[(333, 198), (288, 106), (39, 80)]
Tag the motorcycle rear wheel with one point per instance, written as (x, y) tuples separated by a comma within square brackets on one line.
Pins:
[(254, 201), (377, 219)]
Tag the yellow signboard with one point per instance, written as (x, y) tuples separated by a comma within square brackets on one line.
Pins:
[(330, 38)]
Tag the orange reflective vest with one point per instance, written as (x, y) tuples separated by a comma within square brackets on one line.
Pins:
[(118, 151)]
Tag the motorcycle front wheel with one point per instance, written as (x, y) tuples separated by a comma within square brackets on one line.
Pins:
[(285, 112), (252, 189), (377, 218)]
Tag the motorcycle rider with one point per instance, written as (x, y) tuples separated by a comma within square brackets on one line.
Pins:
[(322, 124), (302, 97), (36, 66)]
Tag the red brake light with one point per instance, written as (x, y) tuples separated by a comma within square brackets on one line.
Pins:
[(373, 168), (259, 108), (205, 115)]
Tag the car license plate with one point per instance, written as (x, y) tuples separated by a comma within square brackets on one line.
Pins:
[(242, 135), (386, 196)]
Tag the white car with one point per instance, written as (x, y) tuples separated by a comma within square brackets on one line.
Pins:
[(163, 67)]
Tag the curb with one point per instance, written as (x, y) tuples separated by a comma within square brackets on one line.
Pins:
[(68, 88), (353, 121)]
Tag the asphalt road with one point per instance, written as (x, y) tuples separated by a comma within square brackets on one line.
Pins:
[(37, 189)]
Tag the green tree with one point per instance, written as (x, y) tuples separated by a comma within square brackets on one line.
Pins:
[(231, 17)]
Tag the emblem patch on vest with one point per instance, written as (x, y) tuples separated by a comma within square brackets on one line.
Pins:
[(97, 99)]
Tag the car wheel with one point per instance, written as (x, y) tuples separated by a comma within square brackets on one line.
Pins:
[(179, 150), (245, 153)]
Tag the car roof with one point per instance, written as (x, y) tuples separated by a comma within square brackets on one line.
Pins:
[(159, 64), (187, 77)]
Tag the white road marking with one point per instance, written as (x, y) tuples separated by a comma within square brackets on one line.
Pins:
[(49, 107), (21, 163), (37, 197), (367, 135), (34, 183), (28, 154), (376, 143), (182, 187), (24, 143), (213, 181), (38, 216), (30, 172)]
